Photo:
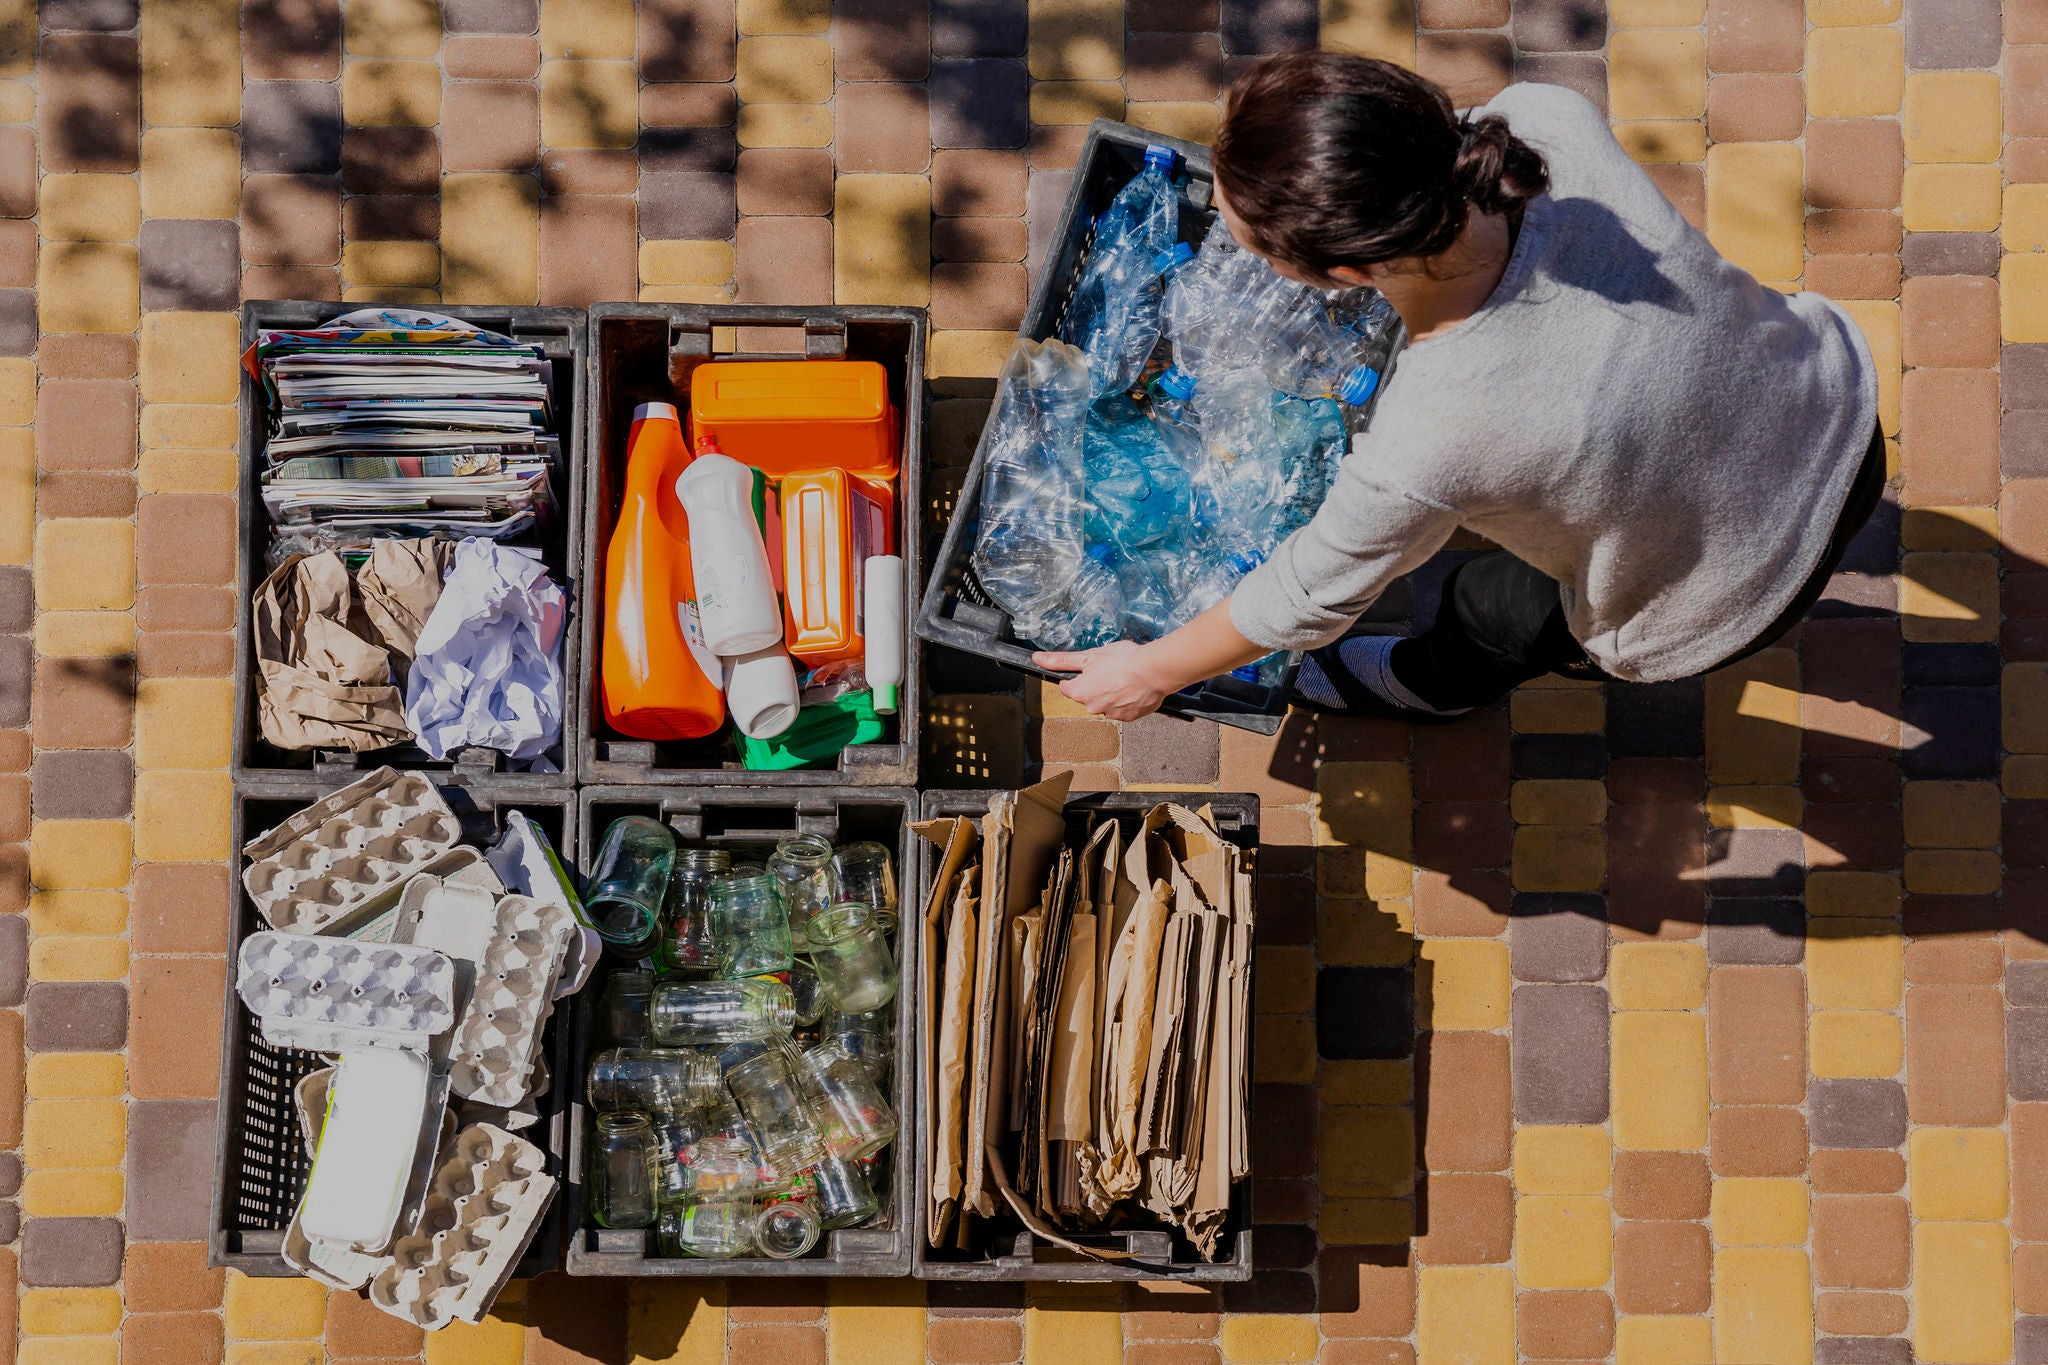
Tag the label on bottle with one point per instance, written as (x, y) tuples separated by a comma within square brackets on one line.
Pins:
[(712, 667)]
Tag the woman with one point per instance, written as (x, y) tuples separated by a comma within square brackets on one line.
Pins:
[(1672, 457)]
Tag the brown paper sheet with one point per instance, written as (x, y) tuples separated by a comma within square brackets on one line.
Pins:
[(399, 587), (948, 954), (320, 684)]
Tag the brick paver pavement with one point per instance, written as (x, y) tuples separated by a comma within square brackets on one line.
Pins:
[(1732, 995)]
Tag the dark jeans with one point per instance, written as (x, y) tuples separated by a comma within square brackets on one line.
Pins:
[(1501, 622)]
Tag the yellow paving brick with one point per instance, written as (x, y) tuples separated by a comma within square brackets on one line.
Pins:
[(85, 564), (1366, 1222), (1560, 801), (500, 1339), (1958, 1174), (73, 1194), (1563, 1159), (77, 1075), (685, 262), (17, 496), (2023, 697), (1269, 1337), (1878, 320), (1657, 976), (388, 264), (1656, 74), (89, 208), (413, 295), (181, 817), (289, 1353), (968, 355), (188, 426), (1655, 142), (1285, 1049), (587, 28), (1365, 933), (274, 1309), (67, 854), (1854, 72), (78, 959), (1552, 711), (1962, 1293), (1656, 13), (1059, 102), (1953, 871), (1191, 120), (1075, 40), (67, 1133), (1369, 28), (1465, 1314), (1056, 1332), (688, 293), (1559, 858), (1367, 804), (1754, 807), (393, 28), (1467, 983), (1940, 197), (1756, 206), (790, 125), (1854, 964), (1759, 1211), (190, 357), (188, 471), (490, 238), (1286, 982), (1763, 1306), (1829, 13), (590, 104), (2023, 297), (1367, 1151), (784, 70), (191, 64), (1949, 528), (1949, 597), (881, 239), (1364, 1082), (1856, 894), (1865, 1043), (87, 286), (2023, 226), (184, 722), (78, 912), (780, 16), (1660, 1081), (1563, 1241), (881, 1321), (1753, 733), (17, 392), (1951, 116), (1951, 814), (2024, 777), (381, 93), (85, 634), (675, 1322), (1663, 1341), (70, 1312), (17, 98), (70, 1351)]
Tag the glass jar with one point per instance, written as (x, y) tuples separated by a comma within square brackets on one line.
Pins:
[(866, 872), (689, 943), (842, 1194), (771, 1097), (675, 1137), (699, 1013), (803, 864), (722, 1227), (807, 991), (875, 1051), (627, 996), (752, 926), (853, 959), (856, 1118), (786, 1230), (720, 1166), (624, 1172), (627, 884), (651, 1080)]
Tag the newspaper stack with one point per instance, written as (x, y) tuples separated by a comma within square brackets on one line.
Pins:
[(403, 424)]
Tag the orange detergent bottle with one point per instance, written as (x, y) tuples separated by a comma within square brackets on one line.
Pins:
[(658, 680), (786, 416), (831, 523)]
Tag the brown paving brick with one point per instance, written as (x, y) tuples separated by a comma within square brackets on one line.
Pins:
[(1854, 163), (1560, 25), (491, 16), (2026, 160), (175, 999), (1461, 834), (1656, 858), (1746, 36), (490, 57), (571, 1321), (2030, 1278), (291, 127), (191, 266), (1466, 1125), (170, 1277), (12, 1077), (75, 494), (1172, 1353), (785, 260), (1857, 1113), (1853, 1314), (84, 703), (686, 104), (1160, 16), (16, 751), (775, 1302), (17, 599), (83, 784), (1972, 961), (1466, 1220), (1472, 904), (1757, 1141), (89, 99), (291, 40), (1573, 1324), (185, 538), (589, 249), (391, 218), (882, 40), (688, 149), (614, 171), (59, 1252), (180, 908), (1368, 1353), (357, 1327), (17, 321), (1173, 66), (1360, 1294), (1170, 1312), (1559, 943), (1463, 762), (184, 654), (1078, 741), (490, 126), (881, 126), (189, 1338), (1951, 321), (1860, 1241), (977, 1341), (1451, 14), (1950, 253), (1472, 68), (13, 880), (1686, 188), (1756, 1035), (688, 40), (17, 254), (985, 102), (1853, 231), (688, 206), (77, 1016), (1755, 107), (1955, 1054), (173, 606), (785, 182), (391, 161), (1162, 749), (978, 296), (86, 424), (17, 173), (1560, 1054), (1661, 1267), (1949, 421), (291, 220), (1853, 277), (978, 239), (2029, 1140), (1661, 1185)]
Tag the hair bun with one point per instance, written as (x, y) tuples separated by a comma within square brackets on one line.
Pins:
[(1495, 171)]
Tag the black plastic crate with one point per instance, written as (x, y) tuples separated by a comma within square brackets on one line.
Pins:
[(561, 333), (1156, 1253), (957, 611), (260, 1162), (645, 352), (749, 820)]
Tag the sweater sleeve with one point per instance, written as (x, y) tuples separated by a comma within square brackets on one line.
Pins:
[(1324, 576)]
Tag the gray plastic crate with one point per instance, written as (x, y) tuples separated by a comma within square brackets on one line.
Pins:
[(260, 1163), (644, 352), (1157, 1253), (561, 333), (749, 820)]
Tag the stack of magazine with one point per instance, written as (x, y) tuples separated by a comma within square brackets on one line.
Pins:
[(402, 423)]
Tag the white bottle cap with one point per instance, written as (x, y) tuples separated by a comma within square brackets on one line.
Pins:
[(647, 410), (760, 692)]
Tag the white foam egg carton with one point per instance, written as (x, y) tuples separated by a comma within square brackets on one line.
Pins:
[(485, 1203), (329, 864), (329, 994), (508, 952)]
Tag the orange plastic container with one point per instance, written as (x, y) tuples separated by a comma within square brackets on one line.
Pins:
[(787, 416), (658, 680), (831, 523)]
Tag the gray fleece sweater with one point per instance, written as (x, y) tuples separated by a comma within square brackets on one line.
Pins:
[(1629, 413)]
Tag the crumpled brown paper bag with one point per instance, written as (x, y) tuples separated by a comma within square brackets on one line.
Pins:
[(399, 587), (322, 684)]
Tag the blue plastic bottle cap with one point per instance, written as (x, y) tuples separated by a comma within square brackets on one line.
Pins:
[(1175, 382), (1178, 255), (1359, 386), (1244, 561), (1100, 553), (1162, 157)]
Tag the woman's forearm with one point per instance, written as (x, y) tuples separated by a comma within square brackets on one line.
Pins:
[(1203, 648)]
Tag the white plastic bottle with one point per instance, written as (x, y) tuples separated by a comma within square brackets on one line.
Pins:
[(735, 588), (760, 692), (883, 606)]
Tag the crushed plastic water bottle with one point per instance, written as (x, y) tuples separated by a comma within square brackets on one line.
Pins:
[(1092, 611), (1136, 483), (1221, 309), (1029, 546), (1114, 316), (1147, 604), (1333, 347)]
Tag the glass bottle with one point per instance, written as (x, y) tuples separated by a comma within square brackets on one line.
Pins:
[(722, 1227), (842, 1193), (698, 1013), (770, 1094), (786, 1230), (626, 999), (866, 873), (651, 1080), (803, 864), (688, 941), (856, 1118), (624, 1172), (751, 923), (628, 880), (852, 957)]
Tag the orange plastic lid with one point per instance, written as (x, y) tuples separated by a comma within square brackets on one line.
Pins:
[(727, 392)]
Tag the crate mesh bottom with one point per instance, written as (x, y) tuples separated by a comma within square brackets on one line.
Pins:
[(271, 1163)]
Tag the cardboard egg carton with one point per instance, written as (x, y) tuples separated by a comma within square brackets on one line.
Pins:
[(485, 1204), (331, 863), (328, 994)]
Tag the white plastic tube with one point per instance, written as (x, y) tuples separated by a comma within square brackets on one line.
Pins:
[(882, 605), (735, 588), (761, 693)]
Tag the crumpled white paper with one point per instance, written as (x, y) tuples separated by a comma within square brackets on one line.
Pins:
[(487, 667)]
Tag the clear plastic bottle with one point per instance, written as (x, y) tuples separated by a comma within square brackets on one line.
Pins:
[(1092, 613), (1114, 315), (1029, 543), (1333, 348), (1148, 604), (1135, 482), (1222, 308), (698, 1013)]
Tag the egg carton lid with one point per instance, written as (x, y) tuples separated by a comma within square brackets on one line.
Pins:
[(303, 824), (376, 918), (434, 1013)]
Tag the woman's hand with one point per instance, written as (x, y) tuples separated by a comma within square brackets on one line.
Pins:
[(1113, 680)]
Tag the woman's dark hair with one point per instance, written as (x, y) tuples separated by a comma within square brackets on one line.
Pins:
[(1330, 160)]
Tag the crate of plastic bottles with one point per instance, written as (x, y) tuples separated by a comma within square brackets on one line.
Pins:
[(781, 1147), (1121, 487)]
